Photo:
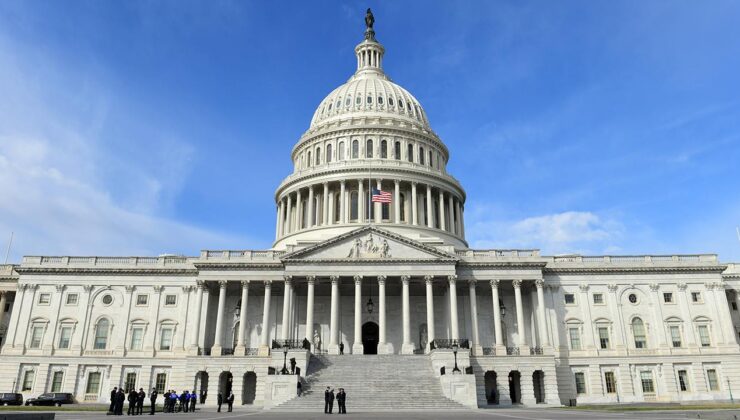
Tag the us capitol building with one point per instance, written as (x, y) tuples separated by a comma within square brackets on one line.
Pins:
[(390, 280)]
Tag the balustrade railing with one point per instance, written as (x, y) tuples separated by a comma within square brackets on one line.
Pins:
[(536, 351), (204, 351), (227, 351), (489, 351), (291, 344), (512, 351), (445, 343), (252, 352)]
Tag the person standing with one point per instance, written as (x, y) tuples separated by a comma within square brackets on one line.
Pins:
[(341, 348), (328, 400), (184, 402), (140, 402), (173, 401), (203, 395), (193, 400), (219, 401), (153, 401), (230, 401), (113, 395), (166, 402), (300, 388), (133, 396), (120, 400), (341, 400)]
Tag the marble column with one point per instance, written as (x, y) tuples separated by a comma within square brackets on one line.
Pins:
[(458, 225), (442, 222), (289, 215), (429, 281), (343, 202), (325, 206), (499, 344), (334, 320), (453, 307), (382, 344), (378, 207), (286, 308), (544, 339), (282, 217), (332, 208), (397, 202), (361, 201), (277, 222), (218, 338), (414, 205), (407, 347), (357, 347), (309, 308), (311, 207), (241, 338), (430, 209), (451, 211), (265, 339), (477, 348), (3, 301), (522, 342), (298, 219), (291, 310)]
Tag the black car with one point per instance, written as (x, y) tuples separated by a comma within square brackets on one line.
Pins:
[(11, 399), (52, 398)]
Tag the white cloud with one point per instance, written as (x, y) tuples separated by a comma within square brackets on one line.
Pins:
[(567, 232)]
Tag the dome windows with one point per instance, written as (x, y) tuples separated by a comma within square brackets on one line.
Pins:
[(318, 156), (369, 100), (390, 101), (397, 150), (400, 104), (355, 149), (341, 151), (369, 149), (421, 155), (328, 153), (348, 101), (384, 149), (410, 152), (380, 100), (330, 104), (358, 100)]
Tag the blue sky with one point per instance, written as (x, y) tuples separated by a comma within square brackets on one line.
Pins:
[(154, 127)]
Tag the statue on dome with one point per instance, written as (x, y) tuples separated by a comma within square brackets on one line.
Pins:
[(369, 19)]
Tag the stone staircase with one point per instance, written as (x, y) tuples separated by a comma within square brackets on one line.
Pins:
[(372, 383)]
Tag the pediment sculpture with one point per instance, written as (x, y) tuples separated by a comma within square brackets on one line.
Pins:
[(370, 248)]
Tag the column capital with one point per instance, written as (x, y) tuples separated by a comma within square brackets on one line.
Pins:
[(88, 287), (429, 279), (494, 283), (654, 287), (268, 284), (472, 282), (129, 288), (325, 184), (287, 279), (395, 181), (343, 182), (188, 288), (222, 284), (517, 283), (381, 279), (540, 283), (158, 289), (59, 287), (334, 280), (452, 278), (358, 280), (200, 284), (584, 287), (414, 183), (405, 280), (682, 286), (612, 287), (245, 284), (311, 279), (310, 188)]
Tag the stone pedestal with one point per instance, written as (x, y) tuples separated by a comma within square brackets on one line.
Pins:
[(408, 348), (358, 348)]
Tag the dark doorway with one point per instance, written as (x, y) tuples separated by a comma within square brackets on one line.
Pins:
[(491, 388), (515, 387), (370, 338), (249, 390), (225, 381), (538, 382), (201, 385)]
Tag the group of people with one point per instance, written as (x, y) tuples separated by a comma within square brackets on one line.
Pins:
[(229, 401), (173, 402), (329, 398)]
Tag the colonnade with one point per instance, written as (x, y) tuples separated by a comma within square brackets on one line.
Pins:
[(347, 201)]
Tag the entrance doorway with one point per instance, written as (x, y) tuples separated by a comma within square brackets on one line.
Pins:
[(491, 391), (370, 337), (538, 382), (515, 387), (249, 389), (225, 381)]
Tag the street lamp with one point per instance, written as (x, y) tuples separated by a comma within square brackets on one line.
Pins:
[(455, 347), (370, 305), (502, 308), (285, 359)]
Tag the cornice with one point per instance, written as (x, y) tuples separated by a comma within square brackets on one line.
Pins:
[(538, 265), (238, 266), (359, 262), (107, 271), (637, 269)]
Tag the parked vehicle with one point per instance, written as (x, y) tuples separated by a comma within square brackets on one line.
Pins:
[(52, 398), (11, 398)]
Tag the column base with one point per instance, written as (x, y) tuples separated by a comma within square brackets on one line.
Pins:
[(240, 350), (332, 349), (193, 351), (477, 350), (524, 350), (500, 350), (385, 348), (264, 351), (358, 349), (408, 348), (216, 350)]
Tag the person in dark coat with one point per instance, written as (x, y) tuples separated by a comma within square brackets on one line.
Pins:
[(153, 401), (120, 399), (113, 395), (341, 400), (341, 348), (184, 402), (166, 402), (193, 399), (140, 402), (328, 400), (230, 401), (133, 397), (219, 401), (203, 395), (292, 365)]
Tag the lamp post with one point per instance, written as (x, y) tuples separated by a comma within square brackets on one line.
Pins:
[(285, 360), (370, 305), (732, 400), (455, 347)]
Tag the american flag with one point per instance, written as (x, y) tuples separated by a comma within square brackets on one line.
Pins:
[(380, 196)]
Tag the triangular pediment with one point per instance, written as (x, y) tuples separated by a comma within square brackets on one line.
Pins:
[(367, 244)]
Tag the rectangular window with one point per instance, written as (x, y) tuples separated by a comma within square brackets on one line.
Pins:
[(93, 383), (37, 334), (675, 335), (142, 300), (611, 382), (44, 298), (575, 338), (668, 297), (604, 337), (570, 299), (683, 380), (56, 381), (704, 336), (713, 380), (734, 306), (161, 382), (65, 337), (72, 299), (165, 339), (696, 297), (130, 381), (28, 377), (170, 300), (646, 378), (598, 299), (580, 383), (137, 338)]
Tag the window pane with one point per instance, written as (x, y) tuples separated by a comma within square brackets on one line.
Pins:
[(341, 151), (353, 206), (28, 380), (580, 383), (65, 336), (369, 149), (704, 336), (165, 341), (37, 334), (101, 335), (675, 336), (384, 149), (137, 336), (170, 299), (130, 381), (355, 149), (611, 382), (161, 382), (638, 330), (570, 298), (56, 381), (683, 380), (598, 298), (410, 153), (713, 380), (575, 338), (72, 299), (93, 383), (646, 377), (604, 337), (397, 150)]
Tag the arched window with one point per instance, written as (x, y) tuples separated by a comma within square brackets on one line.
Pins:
[(328, 153), (369, 100), (369, 149), (384, 149), (337, 208), (380, 100), (353, 205), (341, 151), (400, 104), (430, 158), (386, 211), (410, 153), (397, 150), (318, 156), (638, 331), (421, 155), (101, 334), (355, 149), (358, 100), (309, 159), (390, 101), (348, 101), (402, 204)]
